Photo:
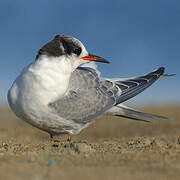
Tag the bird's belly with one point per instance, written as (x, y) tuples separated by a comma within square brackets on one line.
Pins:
[(29, 97), (27, 107)]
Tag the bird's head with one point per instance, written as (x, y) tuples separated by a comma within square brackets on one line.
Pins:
[(68, 48)]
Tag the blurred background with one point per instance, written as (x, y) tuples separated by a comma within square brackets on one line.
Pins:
[(136, 36)]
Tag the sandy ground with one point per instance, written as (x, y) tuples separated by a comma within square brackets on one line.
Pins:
[(112, 148)]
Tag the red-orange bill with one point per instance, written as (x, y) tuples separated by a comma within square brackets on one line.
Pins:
[(92, 57)]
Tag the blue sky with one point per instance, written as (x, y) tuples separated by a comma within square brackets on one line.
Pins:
[(136, 36)]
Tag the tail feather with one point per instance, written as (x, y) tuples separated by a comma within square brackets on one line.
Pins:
[(166, 76), (126, 112)]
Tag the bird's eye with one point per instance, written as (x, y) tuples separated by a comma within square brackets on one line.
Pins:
[(77, 51)]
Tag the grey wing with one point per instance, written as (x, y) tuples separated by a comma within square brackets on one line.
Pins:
[(133, 86), (87, 98), (129, 88)]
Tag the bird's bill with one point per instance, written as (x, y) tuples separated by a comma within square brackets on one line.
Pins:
[(92, 57)]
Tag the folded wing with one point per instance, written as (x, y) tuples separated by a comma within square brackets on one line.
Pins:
[(133, 86), (86, 99), (89, 97)]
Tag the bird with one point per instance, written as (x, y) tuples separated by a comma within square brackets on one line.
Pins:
[(60, 93)]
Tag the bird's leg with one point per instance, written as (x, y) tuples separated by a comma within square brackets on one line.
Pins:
[(53, 141), (69, 137), (51, 138)]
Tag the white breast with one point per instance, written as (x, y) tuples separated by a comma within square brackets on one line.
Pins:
[(39, 84)]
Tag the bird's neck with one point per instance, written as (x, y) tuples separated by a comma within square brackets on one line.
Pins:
[(59, 64)]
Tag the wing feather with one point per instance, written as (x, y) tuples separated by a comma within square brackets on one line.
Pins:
[(87, 98), (133, 86)]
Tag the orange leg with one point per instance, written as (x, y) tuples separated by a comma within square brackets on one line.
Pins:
[(69, 137), (51, 138)]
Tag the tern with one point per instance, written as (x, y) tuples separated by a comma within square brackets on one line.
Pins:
[(58, 94)]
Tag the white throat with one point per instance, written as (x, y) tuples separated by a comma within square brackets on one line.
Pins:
[(61, 64)]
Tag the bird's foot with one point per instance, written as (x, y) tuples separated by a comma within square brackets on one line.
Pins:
[(69, 138), (52, 140)]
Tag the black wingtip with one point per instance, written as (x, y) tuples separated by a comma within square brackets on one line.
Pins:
[(160, 70)]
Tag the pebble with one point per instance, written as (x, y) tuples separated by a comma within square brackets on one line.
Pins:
[(82, 148)]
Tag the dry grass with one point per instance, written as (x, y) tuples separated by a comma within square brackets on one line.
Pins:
[(119, 149)]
